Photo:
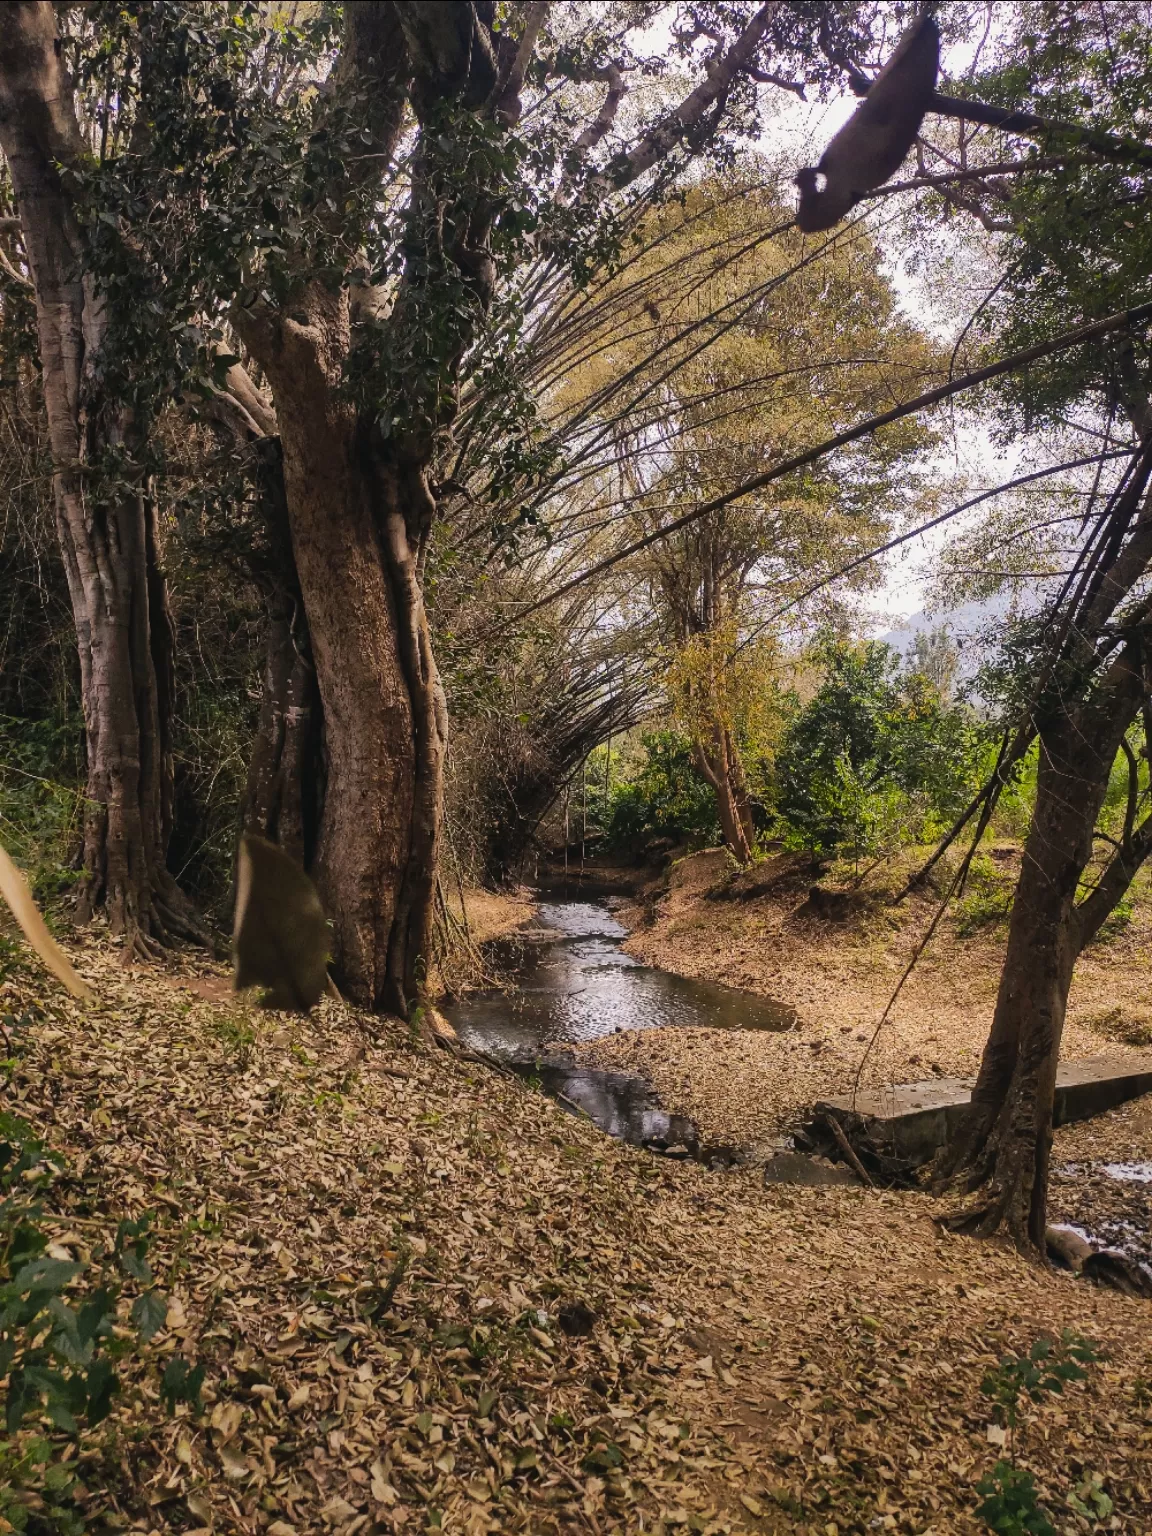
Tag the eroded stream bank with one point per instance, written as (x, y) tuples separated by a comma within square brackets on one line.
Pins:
[(574, 984), (575, 990)]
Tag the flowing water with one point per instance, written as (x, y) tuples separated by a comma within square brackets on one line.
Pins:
[(574, 983)]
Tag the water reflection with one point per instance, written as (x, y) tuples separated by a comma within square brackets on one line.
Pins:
[(575, 983), (579, 985)]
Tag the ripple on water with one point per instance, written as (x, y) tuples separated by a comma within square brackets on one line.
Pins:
[(581, 986)]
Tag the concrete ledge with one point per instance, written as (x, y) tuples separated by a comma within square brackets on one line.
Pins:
[(913, 1120)]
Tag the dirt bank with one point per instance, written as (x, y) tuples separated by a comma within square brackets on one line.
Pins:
[(839, 976)]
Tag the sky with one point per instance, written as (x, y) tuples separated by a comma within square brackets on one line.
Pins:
[(798, 131)]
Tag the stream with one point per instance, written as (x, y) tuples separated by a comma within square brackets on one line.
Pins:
[(574, 983), (570, 981)]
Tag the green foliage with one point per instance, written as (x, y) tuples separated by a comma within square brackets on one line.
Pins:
[(667, 798), (1045, 1370), (41, 800), (1077, 249), (1089, 1498), (58, 1336), (1010, 1504), (987, 897), (874, 758)]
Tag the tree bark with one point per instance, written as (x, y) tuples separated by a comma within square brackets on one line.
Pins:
[(352, 513), (285, 791), (104, 515), (1003, 1146), (722, 769)]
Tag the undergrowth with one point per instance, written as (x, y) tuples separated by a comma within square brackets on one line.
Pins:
[(68, 1313)]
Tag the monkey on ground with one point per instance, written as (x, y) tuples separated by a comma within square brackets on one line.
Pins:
[(871, 146), (280, 937)]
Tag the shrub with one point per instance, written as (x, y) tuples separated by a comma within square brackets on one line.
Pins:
[(874, 758), (58, 1338), (666, 797), (987, 898)]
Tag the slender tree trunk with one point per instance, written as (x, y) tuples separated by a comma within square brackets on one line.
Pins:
[(1003, 1146), (716, 767), (1004, 1143), (356, 520), (105, 521)]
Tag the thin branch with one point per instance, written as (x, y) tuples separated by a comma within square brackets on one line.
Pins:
[(1060, 343), (675, 126), (1108, 145)]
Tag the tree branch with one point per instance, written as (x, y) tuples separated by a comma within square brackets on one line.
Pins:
[(511, 80), (451, 50), (676, 125), (595, 131), (1094, 911), (373, 64), (1109, 146), (1066, 339)]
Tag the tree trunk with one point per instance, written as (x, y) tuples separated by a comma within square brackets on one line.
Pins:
[(104, 517), (356, 519), (284, 792), (732, 809), (1004, 1143)]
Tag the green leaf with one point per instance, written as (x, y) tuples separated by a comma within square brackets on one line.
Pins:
[(61, 1416), (45, 1275), (149, 1312), (20, 1398), (181, 1384), (103, 1384)]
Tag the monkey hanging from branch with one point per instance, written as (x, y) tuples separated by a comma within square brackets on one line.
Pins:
[(871, 146)]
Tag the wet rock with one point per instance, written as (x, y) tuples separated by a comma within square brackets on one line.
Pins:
[(1118, 1272), (798, 1168)]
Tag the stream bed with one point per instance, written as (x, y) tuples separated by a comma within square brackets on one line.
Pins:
[(573, 983), (570, 981)]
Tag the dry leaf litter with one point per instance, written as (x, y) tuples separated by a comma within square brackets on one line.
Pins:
[(585, 1338)]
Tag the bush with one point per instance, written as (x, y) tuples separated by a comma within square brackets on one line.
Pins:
[(987, 897), (42, 800), (59, 1338), (666, 797), (874, 759)]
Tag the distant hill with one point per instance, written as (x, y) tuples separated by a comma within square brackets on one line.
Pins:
[(968, 625)]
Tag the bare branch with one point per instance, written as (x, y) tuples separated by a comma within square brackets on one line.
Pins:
[(511, 80), (1110, 146), (692, 112), (932, 397), (595, 131)]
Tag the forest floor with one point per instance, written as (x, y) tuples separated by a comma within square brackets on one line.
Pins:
[(586, 1338)]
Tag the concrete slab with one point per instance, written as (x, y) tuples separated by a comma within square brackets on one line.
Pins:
[(913, 1120)]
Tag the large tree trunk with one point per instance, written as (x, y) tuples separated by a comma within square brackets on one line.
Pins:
[(357, 521), (1003, 1146), (284, 793), (105, 519)]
